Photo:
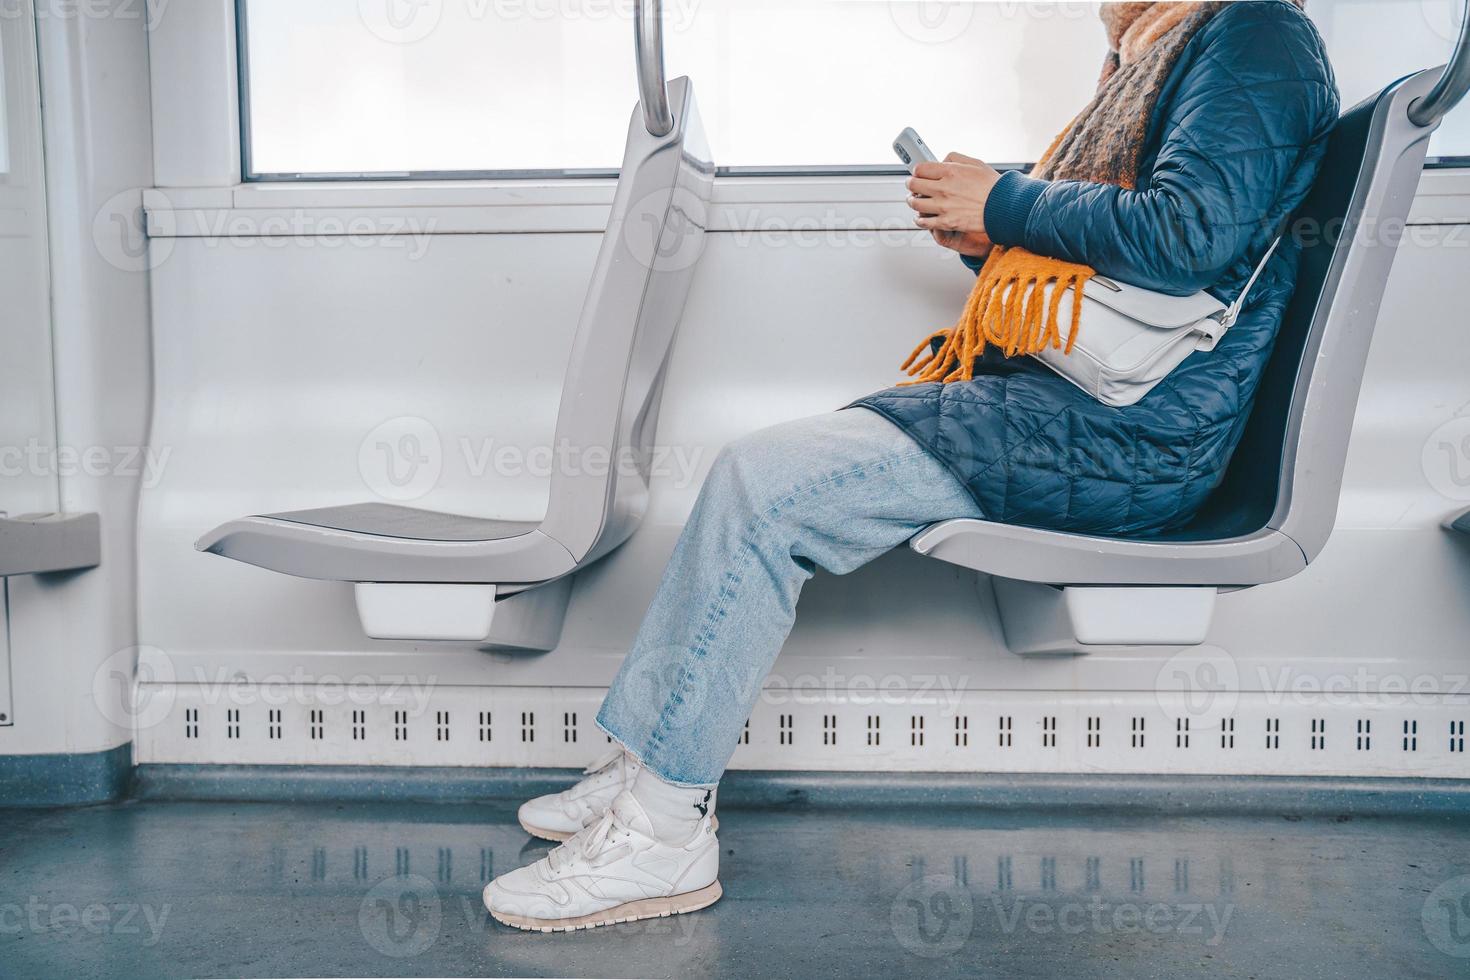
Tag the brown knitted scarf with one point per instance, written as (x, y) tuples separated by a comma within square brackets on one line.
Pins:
[(1008, 307)]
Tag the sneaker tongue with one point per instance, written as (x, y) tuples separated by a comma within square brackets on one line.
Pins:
[(630, 813), (612, 755)]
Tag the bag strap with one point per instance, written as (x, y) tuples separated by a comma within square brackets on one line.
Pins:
[(1233, 310)]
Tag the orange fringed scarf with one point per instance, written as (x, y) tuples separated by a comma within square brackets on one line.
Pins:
[(1009, 308)]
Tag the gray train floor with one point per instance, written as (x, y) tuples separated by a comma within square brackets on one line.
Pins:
[(206, 889)]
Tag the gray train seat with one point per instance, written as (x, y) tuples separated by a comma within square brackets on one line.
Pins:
[(421, 574), (1062, 593), (36, 544)]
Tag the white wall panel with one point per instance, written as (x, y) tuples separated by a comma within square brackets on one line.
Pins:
[(28, 468), (70, 632), (195, 93)]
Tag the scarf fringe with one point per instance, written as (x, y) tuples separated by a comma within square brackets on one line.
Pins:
[(1008, 309)]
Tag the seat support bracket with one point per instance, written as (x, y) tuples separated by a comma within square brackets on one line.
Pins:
[(475, 612), (1050, 620)]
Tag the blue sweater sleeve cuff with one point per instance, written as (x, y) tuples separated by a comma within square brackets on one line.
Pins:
[(1009, 206)]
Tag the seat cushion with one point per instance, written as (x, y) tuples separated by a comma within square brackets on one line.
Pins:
[(411, 523)]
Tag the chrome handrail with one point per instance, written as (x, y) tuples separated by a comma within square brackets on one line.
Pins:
[(1452, 85), (653, 92)]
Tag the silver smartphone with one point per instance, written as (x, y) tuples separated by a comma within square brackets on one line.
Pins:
[(912, 149)]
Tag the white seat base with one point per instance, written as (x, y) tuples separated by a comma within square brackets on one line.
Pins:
[(528, 620), (1050, 620)]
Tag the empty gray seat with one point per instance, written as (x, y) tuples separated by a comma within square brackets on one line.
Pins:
[(609, 402), (1277, 504)]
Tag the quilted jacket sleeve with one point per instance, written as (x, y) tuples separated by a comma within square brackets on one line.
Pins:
[(1256, 95)]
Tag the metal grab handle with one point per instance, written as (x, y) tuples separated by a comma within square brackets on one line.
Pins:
[(1452, 85), (653, 92)]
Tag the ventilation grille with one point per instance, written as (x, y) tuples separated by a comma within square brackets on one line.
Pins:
[(1030, 732)]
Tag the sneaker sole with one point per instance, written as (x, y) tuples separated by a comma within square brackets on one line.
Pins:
[(648, 908), (561, 835)]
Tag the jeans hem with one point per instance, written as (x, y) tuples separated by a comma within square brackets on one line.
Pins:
[(620, 740)]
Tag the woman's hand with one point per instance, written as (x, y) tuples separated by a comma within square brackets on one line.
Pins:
[(950, 200)]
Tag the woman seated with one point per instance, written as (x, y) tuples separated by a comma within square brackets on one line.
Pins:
[(1207, 129)]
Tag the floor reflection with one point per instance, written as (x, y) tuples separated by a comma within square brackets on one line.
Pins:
[(391, 888)]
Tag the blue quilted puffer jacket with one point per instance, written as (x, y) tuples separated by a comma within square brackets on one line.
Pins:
[(1234, 144)]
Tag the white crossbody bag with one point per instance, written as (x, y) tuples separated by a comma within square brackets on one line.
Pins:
[(1130, 338)]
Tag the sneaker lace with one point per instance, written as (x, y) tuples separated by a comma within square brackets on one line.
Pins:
[(587, 843)]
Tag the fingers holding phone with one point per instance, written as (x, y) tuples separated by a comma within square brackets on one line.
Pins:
[(949, 197)]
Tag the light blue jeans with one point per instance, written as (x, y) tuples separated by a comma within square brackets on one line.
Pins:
[(833, 492)]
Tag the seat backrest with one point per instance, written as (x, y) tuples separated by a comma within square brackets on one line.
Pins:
[(1286, 472), (610, 396)]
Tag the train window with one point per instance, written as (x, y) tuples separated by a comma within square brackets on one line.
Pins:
[(437, 86), (1372, 42), (455, 88)]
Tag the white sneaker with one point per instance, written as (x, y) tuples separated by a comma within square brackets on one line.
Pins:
[(614, 871), (558, 816)]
